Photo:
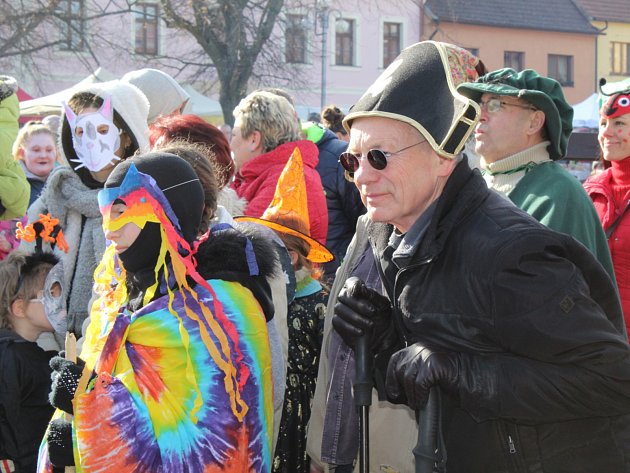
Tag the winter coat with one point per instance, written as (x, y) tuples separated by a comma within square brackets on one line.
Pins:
[(544, 383), (14, 189), (76, 206), (24, 406), (256, 182), (547, 192), (342, 198), (70, 195), (609, 203), (36, 183)]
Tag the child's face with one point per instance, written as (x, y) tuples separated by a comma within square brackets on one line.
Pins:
[(124, 236), (50, 302), (40, 154), (35, 309)]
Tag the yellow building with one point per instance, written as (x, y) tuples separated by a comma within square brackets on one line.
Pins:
[(612, 19)]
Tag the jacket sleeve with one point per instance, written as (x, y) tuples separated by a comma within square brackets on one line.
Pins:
[(14, 188), (563, 355)]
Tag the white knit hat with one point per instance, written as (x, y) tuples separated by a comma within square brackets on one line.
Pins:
[(165, 95)]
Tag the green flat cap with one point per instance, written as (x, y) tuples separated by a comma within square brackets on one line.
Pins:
[(542, 92)]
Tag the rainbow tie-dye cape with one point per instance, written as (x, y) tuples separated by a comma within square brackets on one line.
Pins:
[(160, 402)]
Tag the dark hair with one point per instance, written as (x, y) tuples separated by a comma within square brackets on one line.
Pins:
[(200, 157), (332, 118), (196, 130), (21, 276)]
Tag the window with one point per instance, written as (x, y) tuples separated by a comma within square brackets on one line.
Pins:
[(295, 34), (473, 51), (71, 14), (344, 42), (391, 42), (561, 68), (146, 19), (513, 60), (620, 56)]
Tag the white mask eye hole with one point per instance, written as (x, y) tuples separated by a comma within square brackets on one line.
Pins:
[(55, 290), (623, 101), (78, 131), (102, 129)]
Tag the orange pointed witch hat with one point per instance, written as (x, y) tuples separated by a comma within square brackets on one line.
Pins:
[(288, 210)]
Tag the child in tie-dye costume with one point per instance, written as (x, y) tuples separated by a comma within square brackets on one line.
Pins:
[(177, 374)]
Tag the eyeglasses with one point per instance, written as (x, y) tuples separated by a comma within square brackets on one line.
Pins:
[(376, 157), (494, 105)]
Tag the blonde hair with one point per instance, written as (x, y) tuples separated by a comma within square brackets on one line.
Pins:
[(270, 114), (22, 276), (29, 130)]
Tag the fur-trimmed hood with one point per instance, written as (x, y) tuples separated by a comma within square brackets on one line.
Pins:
[(224, 255), (132, 106)]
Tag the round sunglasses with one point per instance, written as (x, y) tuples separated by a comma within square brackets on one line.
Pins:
[(376, 157)]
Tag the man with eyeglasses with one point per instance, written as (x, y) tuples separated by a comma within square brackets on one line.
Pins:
[(524, 127), (516, 327)]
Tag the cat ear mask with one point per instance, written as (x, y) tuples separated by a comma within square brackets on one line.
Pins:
[(95, 137)]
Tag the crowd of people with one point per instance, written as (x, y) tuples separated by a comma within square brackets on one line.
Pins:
[(233, 289)]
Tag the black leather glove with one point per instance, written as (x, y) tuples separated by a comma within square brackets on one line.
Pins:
[(412, 371), (360, 310), (65, 379), (59, 438)]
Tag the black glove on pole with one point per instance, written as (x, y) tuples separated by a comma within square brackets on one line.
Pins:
[(420, 372), (363, 311)]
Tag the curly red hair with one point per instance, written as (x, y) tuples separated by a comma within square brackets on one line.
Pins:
[(196, 130)]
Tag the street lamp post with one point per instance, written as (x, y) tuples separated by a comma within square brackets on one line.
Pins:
[(323, 7)]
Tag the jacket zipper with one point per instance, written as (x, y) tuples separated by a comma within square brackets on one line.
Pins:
[(511, 445)]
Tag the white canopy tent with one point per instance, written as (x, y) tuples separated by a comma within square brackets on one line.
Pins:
[(199, 104), (586, 113), (51, 104), (205, 107)]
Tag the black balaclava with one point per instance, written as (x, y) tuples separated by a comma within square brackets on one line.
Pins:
[(181, 187)]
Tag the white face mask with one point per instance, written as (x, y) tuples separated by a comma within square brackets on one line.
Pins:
[(55, 307), (94, 136)]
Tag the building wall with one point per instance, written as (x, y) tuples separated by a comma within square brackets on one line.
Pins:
[(344, 85), (613, 32), (492, 42)]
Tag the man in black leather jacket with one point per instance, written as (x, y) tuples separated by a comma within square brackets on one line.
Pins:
[(519, 327)]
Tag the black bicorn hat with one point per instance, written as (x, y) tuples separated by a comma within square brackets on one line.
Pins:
[(419, 88)]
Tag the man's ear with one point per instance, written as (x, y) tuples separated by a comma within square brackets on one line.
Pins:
[(445, 165), (18, 307), (255, 141), (537, 122)]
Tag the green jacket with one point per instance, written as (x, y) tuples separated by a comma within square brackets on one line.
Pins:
[(14, 188), (556, 199)]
